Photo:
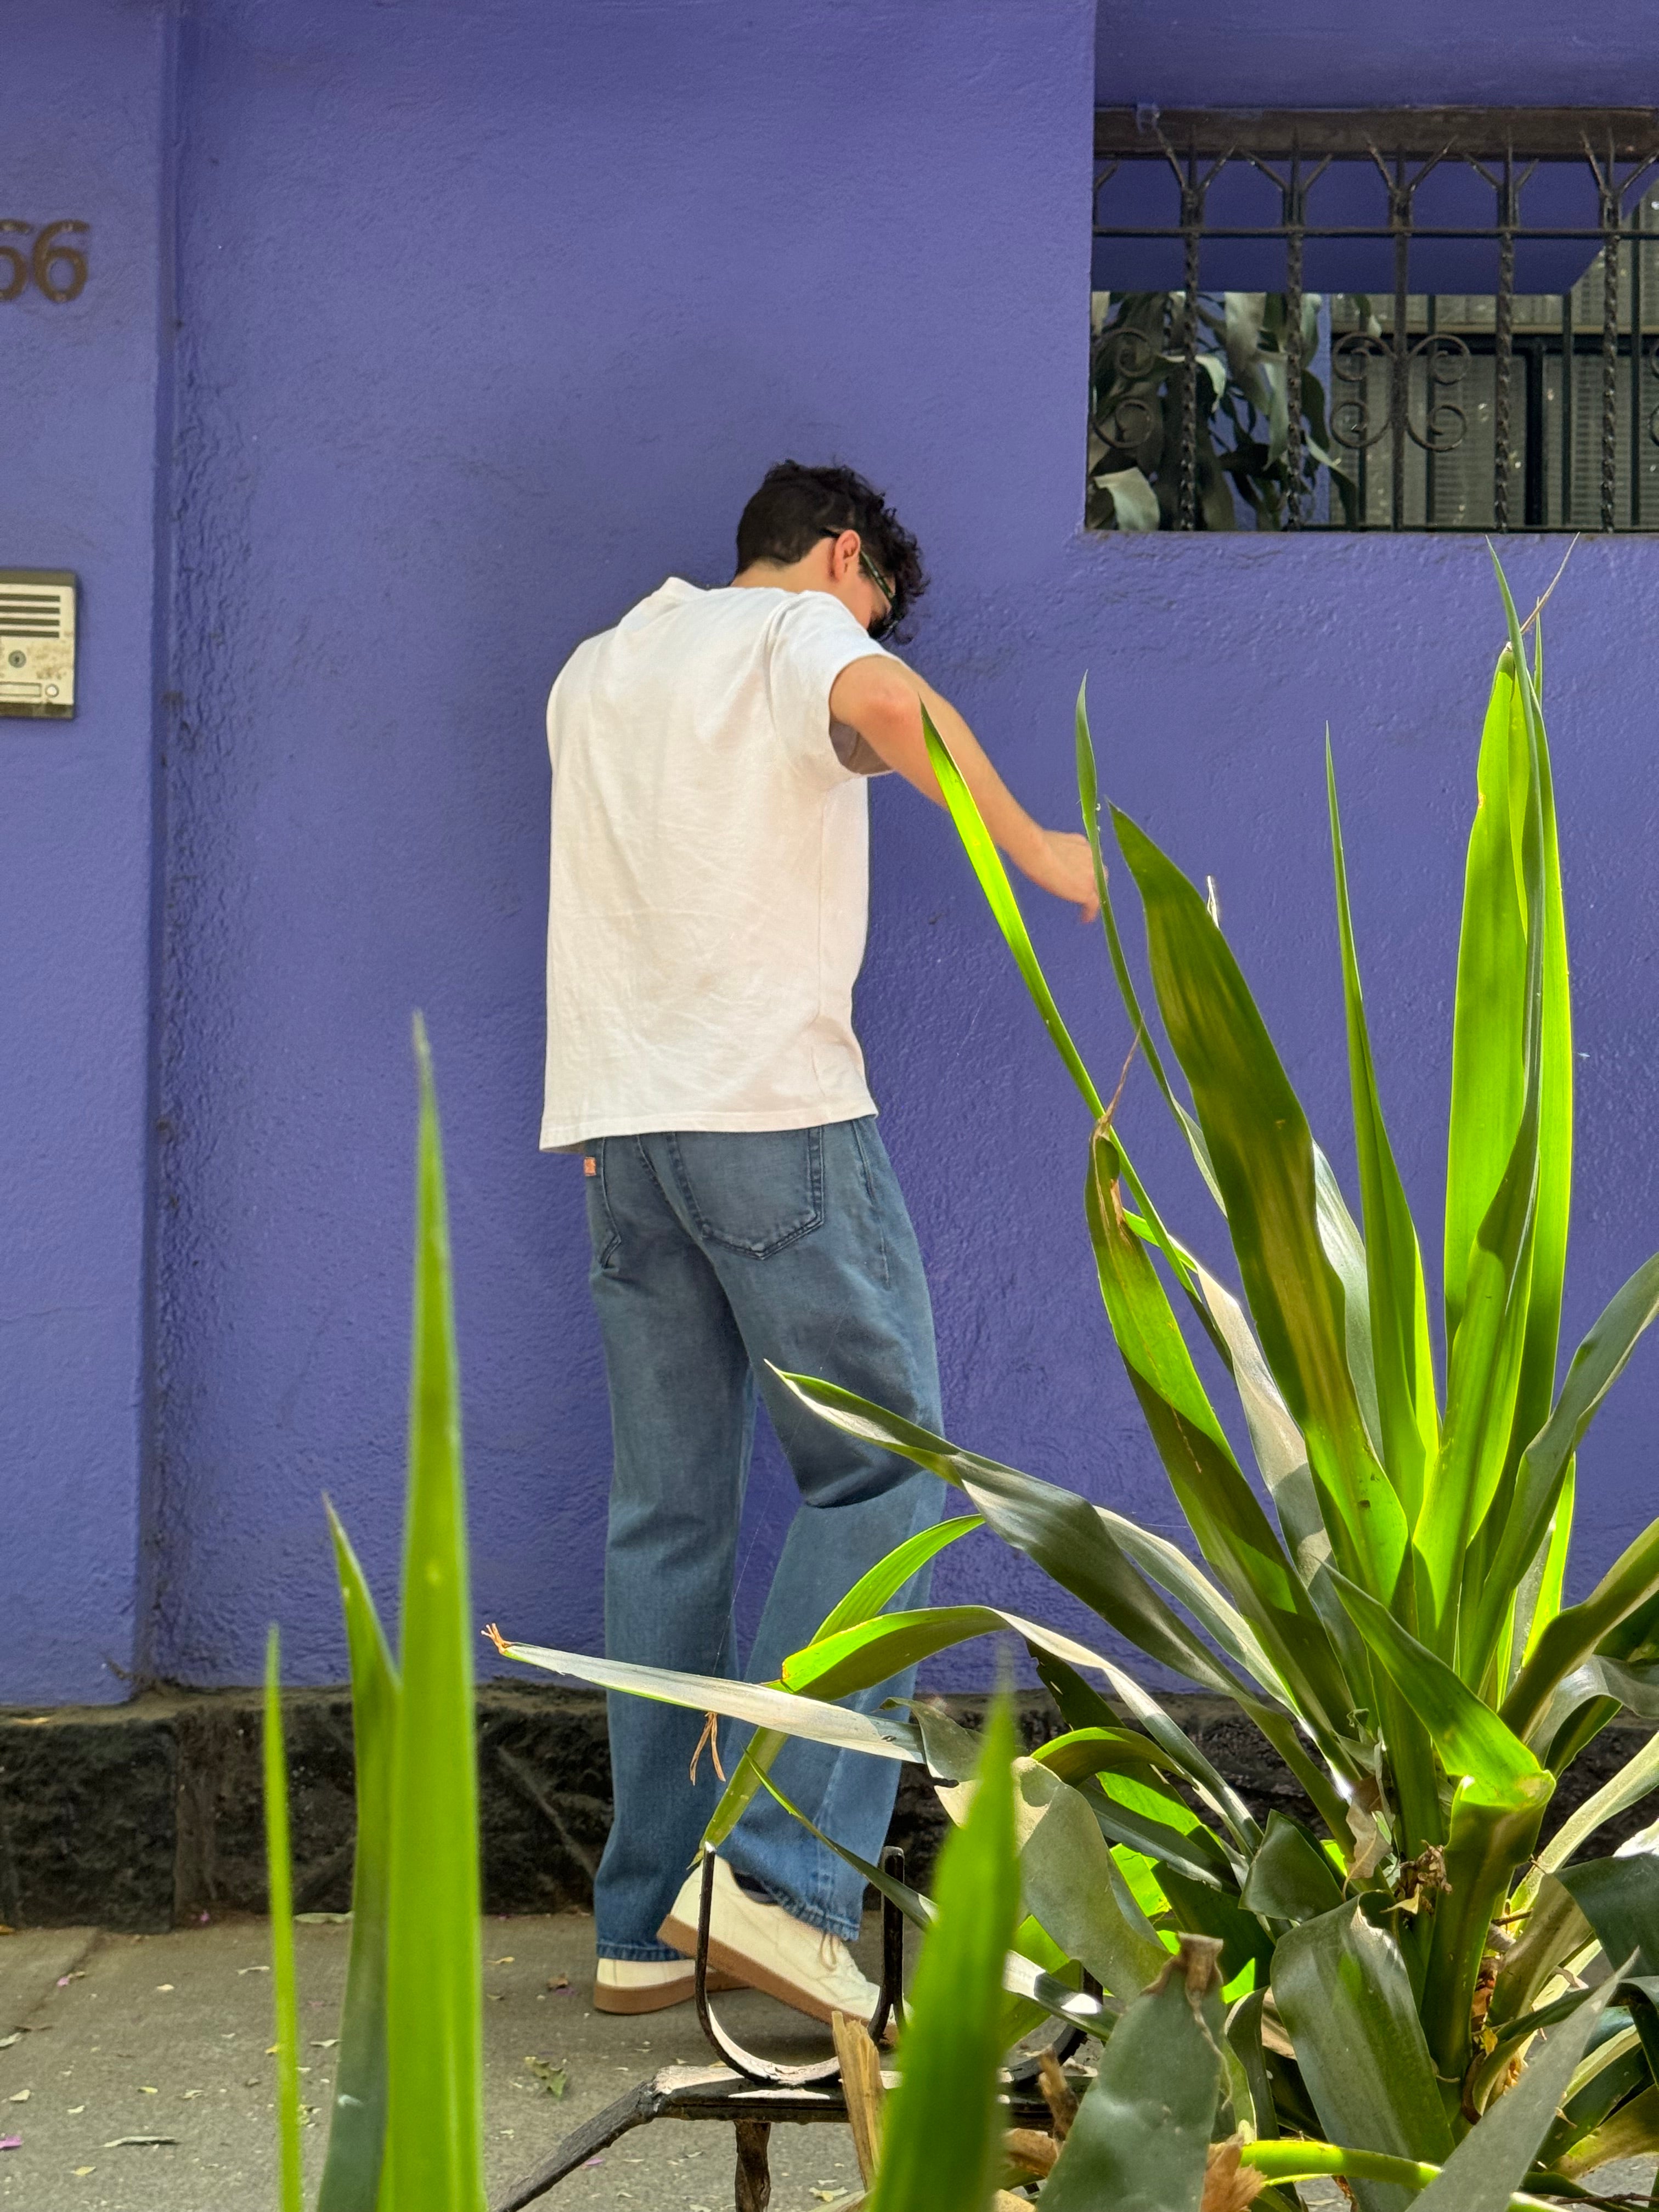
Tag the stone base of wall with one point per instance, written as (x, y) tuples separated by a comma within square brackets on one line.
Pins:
[(146, 1816)]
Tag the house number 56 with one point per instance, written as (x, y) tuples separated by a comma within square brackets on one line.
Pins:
[(58, 268)]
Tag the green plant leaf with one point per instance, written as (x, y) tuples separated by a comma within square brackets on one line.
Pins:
[(1488, 1280), (1109, 1750), (1293, 2160), (867, 1596), (1630, 1582), (1142, 2132), (888, 1577), (1621, 1791), (1233, 1532), (1488, 1024), (1486, 1841), (1056, 1527), (1536, 1387), (1598, 1363), (1175, 1575), (1620, 1898), (1343, 1992), (1632, 2129), (1073, 1889), (941, 2143), (1554, 1930), (1290, 1877), (987, 863), (1244, 2035), (356, 2135), (279, 1864), (1493, 1763), (1088, 787), (878, 1733), (1262, 1153), (1402, 1359), (435, 2158)]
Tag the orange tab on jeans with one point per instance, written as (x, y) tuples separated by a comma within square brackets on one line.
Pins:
[(590, 1165)]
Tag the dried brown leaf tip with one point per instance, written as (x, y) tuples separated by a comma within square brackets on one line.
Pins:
[(495, 1638), (1229, 2186), (1057, 2093)]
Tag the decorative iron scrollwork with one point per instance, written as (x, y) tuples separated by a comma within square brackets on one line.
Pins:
[(1444, 357), (1131, 358), (1352, 357)]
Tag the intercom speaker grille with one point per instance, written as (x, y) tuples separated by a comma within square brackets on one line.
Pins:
[(31, 614)]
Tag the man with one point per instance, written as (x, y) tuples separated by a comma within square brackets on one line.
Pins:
[(706, 922)]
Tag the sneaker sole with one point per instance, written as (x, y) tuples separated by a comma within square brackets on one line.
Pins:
[(660, 1996), (752, 1974)]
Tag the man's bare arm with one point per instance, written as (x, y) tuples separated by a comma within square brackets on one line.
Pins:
[(882, 700)]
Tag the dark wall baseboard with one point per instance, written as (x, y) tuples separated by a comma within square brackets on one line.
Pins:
[(146, 1815)]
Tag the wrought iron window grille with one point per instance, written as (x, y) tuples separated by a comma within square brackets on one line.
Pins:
[(1323, 401)]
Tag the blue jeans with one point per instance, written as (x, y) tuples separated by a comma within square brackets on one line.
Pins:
[(714, 1253)]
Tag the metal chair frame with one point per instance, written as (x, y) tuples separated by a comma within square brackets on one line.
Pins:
[(751, 2094)]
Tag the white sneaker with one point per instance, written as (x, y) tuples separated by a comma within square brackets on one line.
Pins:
[(769, 1949), (650, 1984)]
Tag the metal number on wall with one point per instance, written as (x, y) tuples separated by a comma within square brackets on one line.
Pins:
[(51, 264)]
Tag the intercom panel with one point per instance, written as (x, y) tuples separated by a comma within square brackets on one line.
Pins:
[(37, 643)]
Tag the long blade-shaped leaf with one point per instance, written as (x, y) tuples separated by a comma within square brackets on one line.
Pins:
[(1406, 1409), (1487, 1305), (356, 2135), (1262, 1153), (942, 2138), (1054, 1527), (1142, 2133), (279, 1862), (1470, 1737), (1488, 1053), (1343, 1992), (1620, 1898), (986, 862), (1537, 1385), (867, 1596), (1088, 788), (435, 2158), (1599, 1362), (1621, 1791), (1492, 2161), (1223, 1511), (1629, 1582), (878, 1733), (1074, 1890)]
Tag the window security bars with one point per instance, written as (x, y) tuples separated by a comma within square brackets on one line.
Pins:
[(1462, 304)]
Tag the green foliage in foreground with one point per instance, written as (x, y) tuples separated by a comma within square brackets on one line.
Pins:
[(1404, 1978), (407, 2119)]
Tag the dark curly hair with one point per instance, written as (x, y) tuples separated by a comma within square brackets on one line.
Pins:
[(796, 506)]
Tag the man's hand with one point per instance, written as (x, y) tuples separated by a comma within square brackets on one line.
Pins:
[(1059, 861)]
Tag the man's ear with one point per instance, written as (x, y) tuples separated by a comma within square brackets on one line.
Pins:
[(844, 555)]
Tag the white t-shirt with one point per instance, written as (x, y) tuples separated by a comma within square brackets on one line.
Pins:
[(710, 870)]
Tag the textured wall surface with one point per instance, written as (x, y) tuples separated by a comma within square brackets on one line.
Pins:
[(81, 88), (491, 315)]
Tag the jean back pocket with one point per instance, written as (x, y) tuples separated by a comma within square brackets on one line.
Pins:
[(752, 1190)]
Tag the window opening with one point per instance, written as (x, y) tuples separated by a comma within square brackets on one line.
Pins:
[(1428, 319)]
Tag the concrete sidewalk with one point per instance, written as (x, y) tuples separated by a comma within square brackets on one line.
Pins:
[(135, 2070)]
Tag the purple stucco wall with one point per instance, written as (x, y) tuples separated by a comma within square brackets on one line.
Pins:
[(489, 317), (82, 98)]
